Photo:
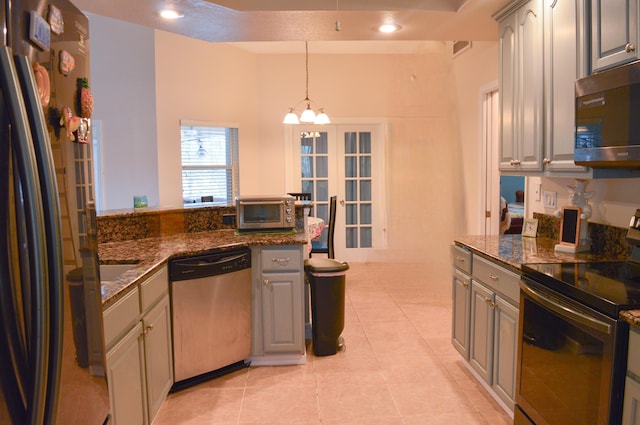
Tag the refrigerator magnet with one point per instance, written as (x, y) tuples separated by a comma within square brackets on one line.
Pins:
[(67, 63), (56, 20)]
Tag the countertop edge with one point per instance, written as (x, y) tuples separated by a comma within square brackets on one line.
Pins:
[(149, 255)]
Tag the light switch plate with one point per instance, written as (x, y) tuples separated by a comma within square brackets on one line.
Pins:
[(550, 199)]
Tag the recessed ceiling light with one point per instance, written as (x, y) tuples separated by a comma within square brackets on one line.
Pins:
[(389, 27), (171, 14)]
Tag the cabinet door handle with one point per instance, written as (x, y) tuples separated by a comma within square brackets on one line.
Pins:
[(465, 284), (147, 329), (629, 48), (514, 162), (266, 282), (281, 260), (460, 259), (493, 277), (492, 305), (546, 161)]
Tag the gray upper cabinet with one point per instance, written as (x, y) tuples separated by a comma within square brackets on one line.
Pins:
[(614, 33), (542, 53), (521, 87), (565, 62)]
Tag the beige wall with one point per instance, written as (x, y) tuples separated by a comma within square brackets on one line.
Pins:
[(475, 70), (428, 100), (416, 94)]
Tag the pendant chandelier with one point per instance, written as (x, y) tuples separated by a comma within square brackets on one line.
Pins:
[(307, 116)]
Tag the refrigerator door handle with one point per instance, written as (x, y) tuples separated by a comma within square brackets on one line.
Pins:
[(53, 226), (37, 336)]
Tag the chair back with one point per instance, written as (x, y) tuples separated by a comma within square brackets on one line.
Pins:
[(332, 226), (318, 247)]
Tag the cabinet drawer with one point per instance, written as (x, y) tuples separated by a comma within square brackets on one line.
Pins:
[(633, 363), (497, 277), (152, 289), (461, 258), (119, 317), (281, 259)]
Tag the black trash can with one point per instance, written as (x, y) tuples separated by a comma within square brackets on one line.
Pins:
[(75, 284), (327, 279)]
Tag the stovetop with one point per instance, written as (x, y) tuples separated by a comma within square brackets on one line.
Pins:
[(608, 287)]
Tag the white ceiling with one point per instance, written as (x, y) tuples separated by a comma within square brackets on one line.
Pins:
[(258, 23)]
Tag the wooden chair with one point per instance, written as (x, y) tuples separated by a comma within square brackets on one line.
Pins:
[(326, 247)]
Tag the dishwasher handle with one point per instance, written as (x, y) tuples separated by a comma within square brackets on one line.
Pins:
[(206, 265)]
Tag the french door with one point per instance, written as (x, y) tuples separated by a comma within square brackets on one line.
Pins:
[(345, 161)]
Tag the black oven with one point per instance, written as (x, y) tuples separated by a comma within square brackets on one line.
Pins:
[(572, 346)]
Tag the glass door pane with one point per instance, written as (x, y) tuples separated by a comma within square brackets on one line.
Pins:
[(358, 182), (314, 166)]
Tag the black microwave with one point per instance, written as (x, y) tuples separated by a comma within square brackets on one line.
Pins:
[(607, 132)]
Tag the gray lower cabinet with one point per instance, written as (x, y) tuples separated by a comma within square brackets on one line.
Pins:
[(278, 325), (461, 300), (631, 409), (614, 33), (486, 309), (139, 363)]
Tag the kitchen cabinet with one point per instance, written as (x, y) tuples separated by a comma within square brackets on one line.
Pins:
[(614, 33), (542, 53), (521, 87), (278, 325), (494, 326), (139, 361), (460, 333), (631, 408), (565, 61)]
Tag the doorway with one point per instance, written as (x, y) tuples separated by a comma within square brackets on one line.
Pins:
[(345, 161), (490, 176)]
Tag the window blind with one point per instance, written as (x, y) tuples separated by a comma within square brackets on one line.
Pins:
[(209, 163)]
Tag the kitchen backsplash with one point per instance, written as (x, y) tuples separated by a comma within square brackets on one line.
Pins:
[(145, 223), (604, 238)]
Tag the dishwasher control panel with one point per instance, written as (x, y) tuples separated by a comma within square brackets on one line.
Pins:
[(210, 264)]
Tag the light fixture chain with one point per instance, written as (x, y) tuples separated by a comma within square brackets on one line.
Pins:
[(306, 47)]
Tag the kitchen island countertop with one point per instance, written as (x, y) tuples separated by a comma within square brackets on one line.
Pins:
[(150, 254)]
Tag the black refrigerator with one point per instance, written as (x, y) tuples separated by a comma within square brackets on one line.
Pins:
[(51, 344)]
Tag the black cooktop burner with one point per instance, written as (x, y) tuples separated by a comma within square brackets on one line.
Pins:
[(607, 287)]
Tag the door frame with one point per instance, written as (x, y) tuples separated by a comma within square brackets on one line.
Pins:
[(489, 193), (379, 149)]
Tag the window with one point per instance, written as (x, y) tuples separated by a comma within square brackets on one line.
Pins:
[(209, 163)]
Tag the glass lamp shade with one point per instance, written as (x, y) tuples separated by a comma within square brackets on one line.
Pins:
[(308, 115), (322, 118), (291, 118)]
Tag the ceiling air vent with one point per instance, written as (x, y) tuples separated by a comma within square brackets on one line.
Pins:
[(460, 46)]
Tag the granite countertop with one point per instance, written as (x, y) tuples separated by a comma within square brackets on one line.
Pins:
[(149, 255), (515, 250)]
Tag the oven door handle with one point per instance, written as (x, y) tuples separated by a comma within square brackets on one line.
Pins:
[(566, 311)]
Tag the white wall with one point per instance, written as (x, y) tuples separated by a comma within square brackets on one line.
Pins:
[(124, 90), (613, 203)]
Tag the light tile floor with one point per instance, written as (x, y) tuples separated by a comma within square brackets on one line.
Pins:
[(398, 368)]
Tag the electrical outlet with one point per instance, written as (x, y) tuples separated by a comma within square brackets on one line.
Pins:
[(229, 219), (550, 199)]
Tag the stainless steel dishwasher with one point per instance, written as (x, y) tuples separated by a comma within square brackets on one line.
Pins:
[(211, 311)]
